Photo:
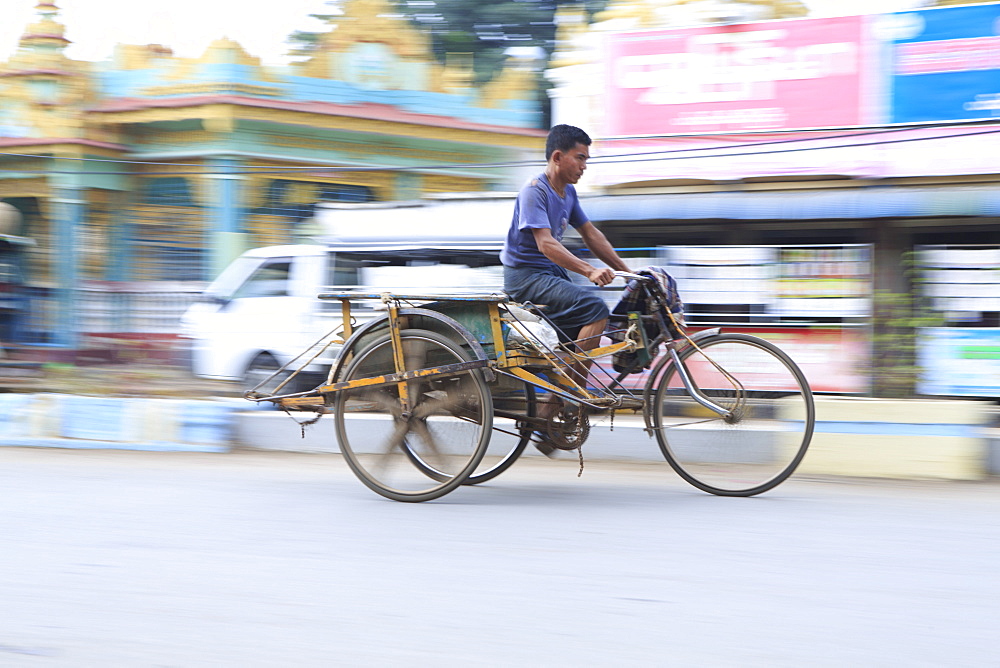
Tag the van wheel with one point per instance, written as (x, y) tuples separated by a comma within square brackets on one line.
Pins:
[(261, 367)]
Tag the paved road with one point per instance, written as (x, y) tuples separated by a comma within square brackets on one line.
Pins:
[(281, 559)]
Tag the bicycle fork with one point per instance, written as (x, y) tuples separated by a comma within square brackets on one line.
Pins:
[(693, 390)]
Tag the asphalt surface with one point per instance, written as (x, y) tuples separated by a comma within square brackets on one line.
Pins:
[(284, 559)]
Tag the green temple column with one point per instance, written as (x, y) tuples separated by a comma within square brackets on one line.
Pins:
[(68, 210), (226, 239), (119, 234), (120, 248)]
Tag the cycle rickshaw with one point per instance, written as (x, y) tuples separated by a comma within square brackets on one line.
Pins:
[(444, 391)]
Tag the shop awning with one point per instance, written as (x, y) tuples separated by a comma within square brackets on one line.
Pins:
[(971, 200)]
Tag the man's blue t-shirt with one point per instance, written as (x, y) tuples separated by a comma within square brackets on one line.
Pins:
[(538, 206)]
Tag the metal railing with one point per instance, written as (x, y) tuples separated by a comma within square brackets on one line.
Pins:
[(150, 310)]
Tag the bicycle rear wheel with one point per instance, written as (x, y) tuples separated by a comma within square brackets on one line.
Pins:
[(511, 434), (431, 449), (772, 416), (512, 400)]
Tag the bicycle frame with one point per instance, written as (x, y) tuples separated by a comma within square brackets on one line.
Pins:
[(528, 363), (635, 339)]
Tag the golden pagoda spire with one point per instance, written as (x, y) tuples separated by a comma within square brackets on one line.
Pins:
[(46, 31)]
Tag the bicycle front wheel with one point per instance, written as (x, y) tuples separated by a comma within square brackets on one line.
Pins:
[(766, 433), (429, 450)]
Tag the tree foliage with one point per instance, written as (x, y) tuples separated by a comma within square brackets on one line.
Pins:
[(485, 28)]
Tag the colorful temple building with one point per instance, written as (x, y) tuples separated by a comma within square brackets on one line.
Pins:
[(151, 167), (154, 167)]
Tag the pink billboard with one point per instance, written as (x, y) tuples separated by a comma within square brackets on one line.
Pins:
[(797, 73)]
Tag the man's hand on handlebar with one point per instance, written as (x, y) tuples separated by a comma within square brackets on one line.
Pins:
[(601, 276), (604, 275)]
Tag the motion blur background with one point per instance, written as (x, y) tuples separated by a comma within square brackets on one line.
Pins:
[(820, 176)]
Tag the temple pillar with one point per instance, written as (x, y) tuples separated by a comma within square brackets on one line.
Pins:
[(118, 239), (227, 240), (68, 208)]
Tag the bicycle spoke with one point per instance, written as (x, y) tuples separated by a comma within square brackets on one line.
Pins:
[(428, 451), (433, 454)]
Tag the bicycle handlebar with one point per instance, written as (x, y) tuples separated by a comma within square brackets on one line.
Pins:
[(628, 275)]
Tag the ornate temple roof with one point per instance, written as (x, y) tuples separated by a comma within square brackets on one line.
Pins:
[(46, 31), (372, 64)]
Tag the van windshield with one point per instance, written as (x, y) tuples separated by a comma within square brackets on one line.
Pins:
[(270, 280), (251, 277)]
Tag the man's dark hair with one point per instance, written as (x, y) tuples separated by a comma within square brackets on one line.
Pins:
[(563, 138)]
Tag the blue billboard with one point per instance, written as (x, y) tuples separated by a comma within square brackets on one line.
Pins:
[(959, 361), (943, 64)]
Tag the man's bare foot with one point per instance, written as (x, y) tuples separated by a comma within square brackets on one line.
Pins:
[(544, 445), (550, 406)]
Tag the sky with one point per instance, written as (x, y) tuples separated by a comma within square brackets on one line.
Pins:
[(189, 26), (186, 26)]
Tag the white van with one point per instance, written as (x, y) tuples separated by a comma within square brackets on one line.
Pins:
[(262, 310)]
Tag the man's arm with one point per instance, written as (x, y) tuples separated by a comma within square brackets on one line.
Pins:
[(601, 247), (555, 251)]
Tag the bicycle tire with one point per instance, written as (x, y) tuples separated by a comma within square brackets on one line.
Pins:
[(500, 456), (763, 442), (449, 423)]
